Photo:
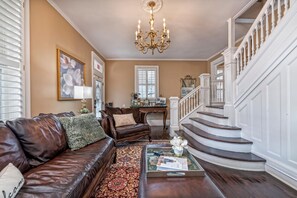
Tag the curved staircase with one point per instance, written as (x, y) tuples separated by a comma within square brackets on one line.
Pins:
[(212, 139)]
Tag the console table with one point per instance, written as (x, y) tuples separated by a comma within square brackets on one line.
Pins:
[(155, 109)]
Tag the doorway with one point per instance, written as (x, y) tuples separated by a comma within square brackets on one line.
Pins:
[(217, 82)]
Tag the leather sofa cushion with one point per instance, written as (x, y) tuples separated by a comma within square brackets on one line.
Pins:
[(41, 137), (70, 173), (59, 115), (11, 150), (111, 110), (130, 130)]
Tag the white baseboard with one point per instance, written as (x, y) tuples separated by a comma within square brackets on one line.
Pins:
[(157, 122), (282, 176)]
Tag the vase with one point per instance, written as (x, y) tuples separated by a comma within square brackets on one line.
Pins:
[(178, 151)]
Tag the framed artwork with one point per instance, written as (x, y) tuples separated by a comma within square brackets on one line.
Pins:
[(70, 73), (98, 66)]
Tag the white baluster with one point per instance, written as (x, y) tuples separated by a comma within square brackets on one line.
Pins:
[(237, 65), (249, 49), (241, 59), (257, 39), (286, 6), (279, 11), (267, 25), (244, 55), (253, 44), (262, 31), (272, 16)]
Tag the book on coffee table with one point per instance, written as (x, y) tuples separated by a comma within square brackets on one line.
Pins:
[(169, 163)]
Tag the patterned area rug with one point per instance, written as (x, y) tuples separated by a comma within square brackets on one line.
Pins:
[(123, 177)]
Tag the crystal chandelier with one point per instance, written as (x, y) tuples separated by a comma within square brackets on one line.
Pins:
[(153, 39)]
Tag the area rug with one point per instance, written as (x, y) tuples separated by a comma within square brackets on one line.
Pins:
[(123, 177)]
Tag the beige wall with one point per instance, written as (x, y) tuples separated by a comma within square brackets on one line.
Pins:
[(120, 78), (49, 31)]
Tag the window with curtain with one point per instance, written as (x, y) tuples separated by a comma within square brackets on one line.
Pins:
[(147, 81), (11, 59)]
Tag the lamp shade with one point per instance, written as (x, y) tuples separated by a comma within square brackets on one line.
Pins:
[(83, 92)]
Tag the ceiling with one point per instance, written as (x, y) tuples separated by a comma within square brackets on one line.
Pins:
[(198, 28)]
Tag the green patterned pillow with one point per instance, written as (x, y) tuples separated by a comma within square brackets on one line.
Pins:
[(82, 130)]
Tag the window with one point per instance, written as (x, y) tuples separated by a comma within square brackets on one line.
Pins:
[(11, 59), (147, 81)]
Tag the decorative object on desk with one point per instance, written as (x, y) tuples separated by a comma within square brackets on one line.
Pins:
[(70, 73), (83, 93), (188, 83), (152, 39), (178, 145), (161, 101)]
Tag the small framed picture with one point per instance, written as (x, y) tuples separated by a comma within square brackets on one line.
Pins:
[(70, 73), (161, 101)]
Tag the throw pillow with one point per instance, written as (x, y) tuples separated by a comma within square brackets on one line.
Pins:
[(123, 119), (11, 181), (82, 130), (41, 137)]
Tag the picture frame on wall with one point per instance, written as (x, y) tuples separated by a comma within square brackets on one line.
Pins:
[(70, 73)]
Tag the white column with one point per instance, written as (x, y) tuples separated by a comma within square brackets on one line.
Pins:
[(229, 79), (204, 89), (174, 117)]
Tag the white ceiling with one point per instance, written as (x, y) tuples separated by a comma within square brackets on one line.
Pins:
[(198, 28)]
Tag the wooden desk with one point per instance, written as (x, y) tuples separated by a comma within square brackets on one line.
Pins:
[(155, 109)]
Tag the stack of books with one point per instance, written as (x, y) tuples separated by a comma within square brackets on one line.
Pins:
[(168, 163)]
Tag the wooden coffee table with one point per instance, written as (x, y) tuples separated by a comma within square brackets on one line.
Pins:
[(174, 187)]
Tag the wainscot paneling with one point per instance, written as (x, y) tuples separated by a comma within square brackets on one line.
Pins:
[(273, 111), (267, 93)]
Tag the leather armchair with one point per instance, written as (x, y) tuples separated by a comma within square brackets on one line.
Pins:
[(129, 132)]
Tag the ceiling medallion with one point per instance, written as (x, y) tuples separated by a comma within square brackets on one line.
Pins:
[(146, 7), (152, 39)]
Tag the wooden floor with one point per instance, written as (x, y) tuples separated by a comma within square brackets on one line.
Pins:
[(239, 184)]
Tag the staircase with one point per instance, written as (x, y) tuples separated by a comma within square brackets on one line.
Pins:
[(212, 139)]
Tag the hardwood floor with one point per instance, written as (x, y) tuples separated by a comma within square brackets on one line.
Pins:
[(239, 184)]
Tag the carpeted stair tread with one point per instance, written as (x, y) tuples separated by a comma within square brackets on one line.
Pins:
[(212, 114), (214, 125), (206, 135), (247, 157), (215, 106)]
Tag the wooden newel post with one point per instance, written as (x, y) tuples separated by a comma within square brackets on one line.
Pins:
[(174, 115)]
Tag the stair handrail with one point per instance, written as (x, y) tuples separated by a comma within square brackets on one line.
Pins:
[(249, 47), (189, 103), (189, 94)]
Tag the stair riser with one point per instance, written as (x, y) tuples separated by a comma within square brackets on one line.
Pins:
[(235, 164), (216, 131), (213, 119), (214, 110), (243, 148)]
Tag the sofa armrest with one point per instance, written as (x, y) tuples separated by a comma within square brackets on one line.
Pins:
[(108, 125)]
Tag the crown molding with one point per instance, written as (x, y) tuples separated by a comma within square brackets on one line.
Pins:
[(221, 51), (65, 16), (156, 59)]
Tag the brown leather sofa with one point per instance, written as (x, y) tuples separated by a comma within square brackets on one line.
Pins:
[(53, 170), (125, 133)]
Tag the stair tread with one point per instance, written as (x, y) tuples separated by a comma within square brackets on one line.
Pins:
[(212, 114), (215, 106), (206, 135), (248, 157), (215, 125)]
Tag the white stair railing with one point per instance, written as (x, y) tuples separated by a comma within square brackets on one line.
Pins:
[(217, 92), (189, 103), (269, 17)]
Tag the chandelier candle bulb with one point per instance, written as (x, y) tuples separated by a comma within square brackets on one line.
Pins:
[(168, 34)]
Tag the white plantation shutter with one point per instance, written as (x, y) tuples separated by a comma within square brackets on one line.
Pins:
[(11, 59), (146, 79)]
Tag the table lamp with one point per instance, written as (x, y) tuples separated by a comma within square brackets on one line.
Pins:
[(83, 93)]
